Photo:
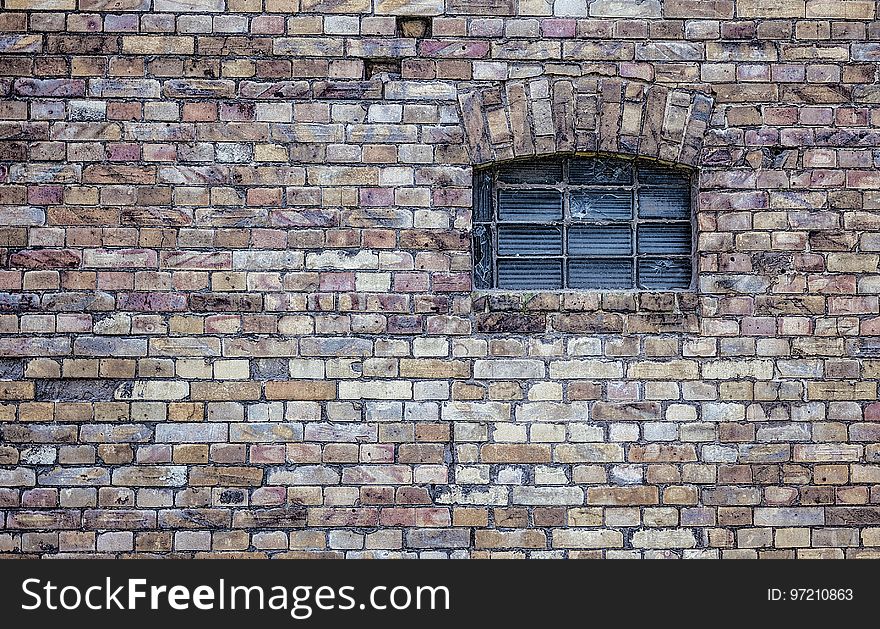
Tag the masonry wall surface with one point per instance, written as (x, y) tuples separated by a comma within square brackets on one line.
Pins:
[(236, 313)]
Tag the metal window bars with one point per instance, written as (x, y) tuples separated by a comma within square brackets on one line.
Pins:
[(583, 223)]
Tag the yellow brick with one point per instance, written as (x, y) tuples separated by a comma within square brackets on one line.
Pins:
[(160, 45), (771, 8)]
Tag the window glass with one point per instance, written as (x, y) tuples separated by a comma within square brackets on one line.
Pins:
[(583, 223)]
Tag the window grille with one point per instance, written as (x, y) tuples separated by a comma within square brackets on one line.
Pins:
[(583, 223)]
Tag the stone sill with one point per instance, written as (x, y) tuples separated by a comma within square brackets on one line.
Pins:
[(591, 312)]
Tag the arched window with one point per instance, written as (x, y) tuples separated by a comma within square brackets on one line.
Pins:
[(583, 223)]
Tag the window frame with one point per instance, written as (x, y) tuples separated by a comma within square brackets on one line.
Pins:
[(564, 187)]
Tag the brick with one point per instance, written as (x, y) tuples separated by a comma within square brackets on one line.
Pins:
[(852, 516), (17, 477), (821, 452), (671, 370), (75, 476), (343, 517), (731, 369), (46, 520), (850, 10), (281, 517), (657, 453), (510, 539), (226, 476), (626, 411), (514, 453), (625, 8), (148, 45), (300, 390), (722, 9), (225, 391), (643, 495), (119, 519), (789, 516), (404, 7), (573, 538), (150, 476), (432, 368), (588, 453), (377, 474), (664, 538), (438, 538), (508, 369), (50, 87), (188, 6), (265, 432), (191, 433), (46, 258), (552, 411), (39, 434), (475, 411), (585, 369), (194, 518), (21, 43), (548, 495)]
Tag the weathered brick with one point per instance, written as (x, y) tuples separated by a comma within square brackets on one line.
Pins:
[(573, 538), (75, 476), (265, 432), (300, 390), (508, 369), (664, 538), (51, 520), (510, 539), (438, 538), (789, 516), (588, 453), (150, 476), (119, 519), (343, 517), (627, 411), (671, 370), (852, 516), (17, 477), (281, 517), (377, 475), (548, 495), (585, 369), (514, 453), (230, 476), (191, 433), (637, 495)]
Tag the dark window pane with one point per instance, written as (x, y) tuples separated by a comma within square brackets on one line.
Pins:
[(529, 206), (528, 274), (595, 205), (543, 171), (483, 196), (573, 222), (672, 238), (664, 273), (482, 257), (600, 171), (665, 203), (600, 273), (610, 240), (660, 176), (529, 240)]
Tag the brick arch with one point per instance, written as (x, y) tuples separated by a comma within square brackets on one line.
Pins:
[(546, 115)]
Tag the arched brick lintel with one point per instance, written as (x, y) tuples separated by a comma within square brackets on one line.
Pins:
[(546, 115)]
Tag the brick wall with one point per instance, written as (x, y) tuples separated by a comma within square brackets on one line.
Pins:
[(235, 281)]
